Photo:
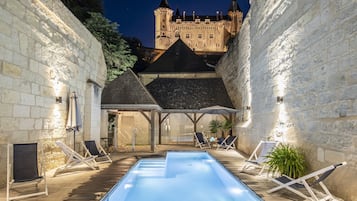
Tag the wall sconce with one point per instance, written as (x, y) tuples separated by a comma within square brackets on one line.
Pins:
[(247, 107), (279, 99), (58, 99)]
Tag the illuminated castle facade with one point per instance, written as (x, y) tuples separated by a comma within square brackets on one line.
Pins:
[(199, 32)]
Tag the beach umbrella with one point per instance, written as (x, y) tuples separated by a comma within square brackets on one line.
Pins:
[(74, 121)]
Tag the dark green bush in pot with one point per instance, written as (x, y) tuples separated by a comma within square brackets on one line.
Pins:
[(215, 126), (287, 160)]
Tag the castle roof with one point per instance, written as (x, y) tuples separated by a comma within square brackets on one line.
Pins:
[(219, 16), (189, 93), (164, 4), (179, 58), (234, 6)]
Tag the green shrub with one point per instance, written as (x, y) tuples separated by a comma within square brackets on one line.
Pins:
[(287, 160)]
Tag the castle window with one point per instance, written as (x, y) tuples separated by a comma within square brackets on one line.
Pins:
[(199, 35), (197, 21), (211, 36), (207, 21), (187, 35)]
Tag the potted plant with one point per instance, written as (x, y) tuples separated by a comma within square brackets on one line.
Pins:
[(214, 126), (287, 160), (227, 126)]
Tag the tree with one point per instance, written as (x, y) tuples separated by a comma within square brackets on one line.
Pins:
[(81, 8), (117, 53)]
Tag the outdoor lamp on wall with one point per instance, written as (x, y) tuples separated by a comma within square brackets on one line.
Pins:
[(58, 99), (279, 99)]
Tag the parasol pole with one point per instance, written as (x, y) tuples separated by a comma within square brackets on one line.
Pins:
[(74, 139)]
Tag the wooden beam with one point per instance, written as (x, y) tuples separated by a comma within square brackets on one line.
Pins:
[(152, 140), (160, 127), (161, 120), (146, 116), (165, 117)]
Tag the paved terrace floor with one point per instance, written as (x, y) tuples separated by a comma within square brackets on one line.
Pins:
[(85, 184)]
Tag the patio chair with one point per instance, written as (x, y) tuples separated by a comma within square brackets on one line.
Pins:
[(23, 171), (93, 149), (74, 159), (201, 140), (300, 183), (228, 143), (259, 158)]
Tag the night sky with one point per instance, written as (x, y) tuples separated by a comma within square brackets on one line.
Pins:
[(136, 17)]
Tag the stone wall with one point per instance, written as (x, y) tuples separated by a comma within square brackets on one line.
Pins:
[(304, 51), (46, 52)]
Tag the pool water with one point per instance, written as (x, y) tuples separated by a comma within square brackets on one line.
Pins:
[(181, 176)]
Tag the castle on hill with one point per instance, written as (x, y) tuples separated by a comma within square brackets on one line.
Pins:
[(202, 33)]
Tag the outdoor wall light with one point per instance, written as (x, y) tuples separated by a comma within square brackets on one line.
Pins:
[(279, 99), (247, 107), (58, 99)]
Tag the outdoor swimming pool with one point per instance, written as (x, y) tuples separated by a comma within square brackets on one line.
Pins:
[(182, 176)]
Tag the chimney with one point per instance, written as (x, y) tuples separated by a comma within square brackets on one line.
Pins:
[(193, 15), (183, 15)]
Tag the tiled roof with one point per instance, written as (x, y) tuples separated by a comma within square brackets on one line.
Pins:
[(190, 94), (126, 89)]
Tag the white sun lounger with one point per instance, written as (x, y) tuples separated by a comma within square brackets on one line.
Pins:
[(93, 149), (293, 185), (75, 159), (227, 143), (201, 140), (258, 158), (23, 170)]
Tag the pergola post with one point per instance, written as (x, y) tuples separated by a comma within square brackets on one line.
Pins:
[(152, 140)]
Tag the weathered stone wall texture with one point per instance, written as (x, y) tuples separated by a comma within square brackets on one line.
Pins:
[(45, 52), (304, 51)]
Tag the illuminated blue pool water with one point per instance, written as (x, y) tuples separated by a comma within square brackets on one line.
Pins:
[(182, 176)]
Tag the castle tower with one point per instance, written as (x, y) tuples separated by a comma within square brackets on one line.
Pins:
[(163, 16), (236, 16)]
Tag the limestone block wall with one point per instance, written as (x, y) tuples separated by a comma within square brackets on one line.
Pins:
[(46, 52), (304, 51)]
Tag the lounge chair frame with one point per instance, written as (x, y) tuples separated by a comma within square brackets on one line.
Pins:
[(10, 177), (228, 143), (318, 176), (201, 140), (258, 157), (93, 149), (75, 159)]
